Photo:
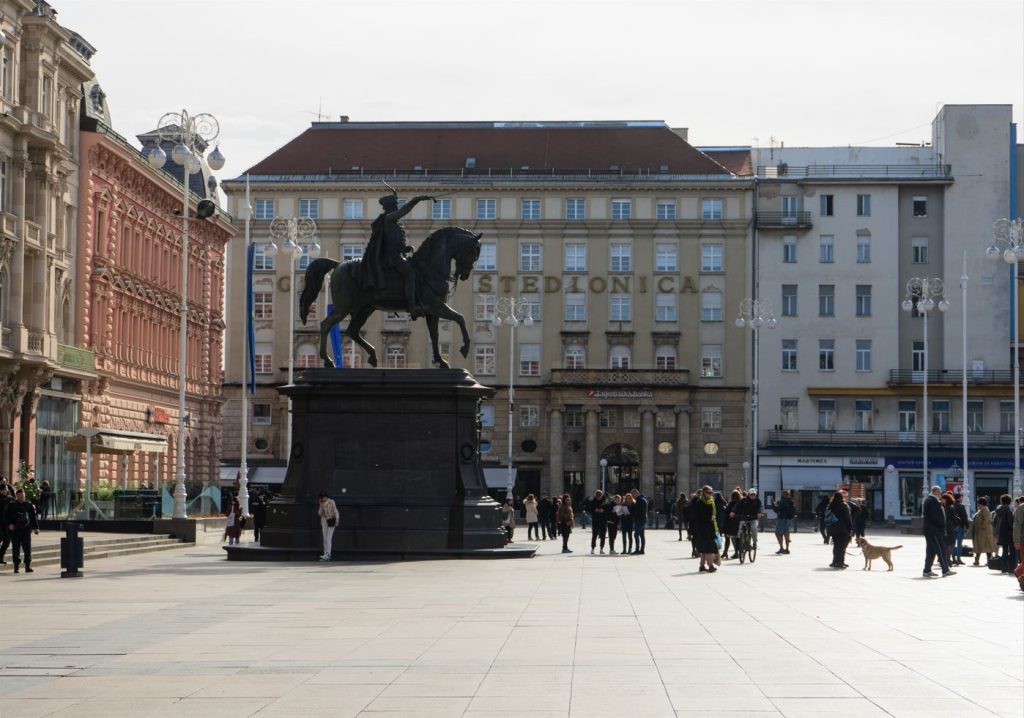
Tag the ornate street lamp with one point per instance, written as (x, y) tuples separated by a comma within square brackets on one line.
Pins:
[(511, 311), (755, 314)]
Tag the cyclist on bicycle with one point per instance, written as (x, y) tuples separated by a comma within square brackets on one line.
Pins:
[(749, 510)]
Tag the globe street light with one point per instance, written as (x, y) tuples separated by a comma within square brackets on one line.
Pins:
[(604, 469), (1008, 243), (288, 231), (921, 295), (511, 311), (191, 135), (755, 313)]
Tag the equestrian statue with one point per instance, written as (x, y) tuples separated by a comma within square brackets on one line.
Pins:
[(384, 279)]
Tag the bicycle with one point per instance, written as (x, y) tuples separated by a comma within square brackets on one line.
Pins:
[(747, 542)]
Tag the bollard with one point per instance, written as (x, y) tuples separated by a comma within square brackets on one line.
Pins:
[(72, 552)]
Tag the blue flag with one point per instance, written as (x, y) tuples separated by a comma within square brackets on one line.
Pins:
[(339, 357), (250, 329)]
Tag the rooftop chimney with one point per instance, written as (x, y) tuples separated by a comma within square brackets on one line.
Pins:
[(343, 118), (682, 132)]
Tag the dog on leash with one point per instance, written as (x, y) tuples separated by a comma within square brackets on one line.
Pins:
[(872, 552)]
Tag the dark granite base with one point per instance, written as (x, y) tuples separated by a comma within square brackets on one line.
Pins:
[(255, 552)]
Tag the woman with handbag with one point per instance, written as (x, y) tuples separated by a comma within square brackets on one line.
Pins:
[(704, 528), (565, 521), (328, 513)]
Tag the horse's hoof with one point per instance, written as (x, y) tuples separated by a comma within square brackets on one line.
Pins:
[(372, 361), (442, 364), (464, 350), (328, 364)]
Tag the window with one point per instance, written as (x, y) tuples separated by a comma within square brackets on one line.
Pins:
[(863, 300), (306, 357), (5, 73), (262, 305), (394, 357), (529, 209), (665, 307), (975, 417), (309, 208), (351, 355), (827, 205), (531, 306), (827, 253), (940, 416), (710, 209), (789, 354), (665, 358), (917, 356), (666, 210), (621, 209), (863, 205), (488, 259), (261, 261), (575, 307), (920, 206), (789, 249), (483, 307), (529, 360), (622, 257), (483, 360), (619, 358), (351, 251), (711, 361), (487, 416), (262, 414), (826, 354), (789, 300), (665, 258), (529, 416), (5, 204), (908, 415), (919, 250), (46, 99), (863, 248), (575, 257), (575, 209), (826, 300), (711, 258), (264, 354), (863, 348), (788, 414), (609, 417), (826, 414), (264, 209), (575, 357), (1006, 417), (621, 308), (710, 306), (789, 205), (711, 417), (441, 209), (863, 415), (352, 209), (529, 258), (573, 417), (486, 209), (396, 316)]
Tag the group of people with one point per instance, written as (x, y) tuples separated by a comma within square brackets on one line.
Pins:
[(611, 517), (236, 520)]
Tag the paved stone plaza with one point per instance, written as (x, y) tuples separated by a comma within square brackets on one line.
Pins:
[(185, 633)]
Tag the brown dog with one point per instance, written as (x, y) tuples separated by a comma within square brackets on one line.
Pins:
[(872, 552)]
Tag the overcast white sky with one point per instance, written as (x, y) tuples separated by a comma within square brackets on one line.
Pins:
[(736, 72)]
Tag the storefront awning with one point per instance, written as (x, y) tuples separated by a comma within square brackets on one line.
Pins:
[(111, 441), (824, 478), (496, 477), (269, 475)]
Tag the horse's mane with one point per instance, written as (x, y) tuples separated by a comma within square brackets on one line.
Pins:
[(434, 241)]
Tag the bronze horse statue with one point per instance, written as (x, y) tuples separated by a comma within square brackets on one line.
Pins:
[(435, 280)]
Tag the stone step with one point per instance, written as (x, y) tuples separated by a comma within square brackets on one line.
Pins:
[(50, 555), (52, 547)]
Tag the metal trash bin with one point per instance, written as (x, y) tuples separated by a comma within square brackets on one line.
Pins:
[(72, 551)]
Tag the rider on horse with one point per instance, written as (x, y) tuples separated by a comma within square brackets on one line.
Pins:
[(386, 250)]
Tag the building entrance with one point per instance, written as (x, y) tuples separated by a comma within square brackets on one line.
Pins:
[(623, 468)]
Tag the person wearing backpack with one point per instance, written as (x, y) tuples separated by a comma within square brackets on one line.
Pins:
[(20, 519)]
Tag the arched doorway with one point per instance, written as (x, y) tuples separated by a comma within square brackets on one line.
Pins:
[(623, 468)]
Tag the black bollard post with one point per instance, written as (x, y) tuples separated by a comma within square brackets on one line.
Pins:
[(72, 552)]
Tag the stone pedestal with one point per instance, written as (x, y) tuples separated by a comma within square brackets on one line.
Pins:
[(398, 451)]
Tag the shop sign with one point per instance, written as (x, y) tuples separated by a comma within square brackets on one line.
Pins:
[(863, 462), (941, 463), (599, 394)]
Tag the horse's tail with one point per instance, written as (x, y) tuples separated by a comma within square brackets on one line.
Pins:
[(315, 273)]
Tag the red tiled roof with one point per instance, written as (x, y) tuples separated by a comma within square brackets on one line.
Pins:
[(736, 161), (446, 146)]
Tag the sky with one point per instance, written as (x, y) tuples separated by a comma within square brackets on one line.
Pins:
[(735, 72)]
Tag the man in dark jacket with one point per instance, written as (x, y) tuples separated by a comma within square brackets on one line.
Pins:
[(5, 535), (820, 513), (639, 512), (785, 511), (544, 507), (598, 519), (935, 534), (20, 519)]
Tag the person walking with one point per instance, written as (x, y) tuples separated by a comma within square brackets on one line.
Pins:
[(233, 526), (860, 521), (626, 522), (532, 517), (819, 512), (565, 521), (679, 513), (6, 498), (1002, 525), (731, 525), (639, 511), (704, 528), (963, 522), (45, 499), (613, 518), (21, 521), (840, 528), (508, 519), (259, 515), (544, 509), (949, 511), (982, 539), (595, 506), (935, 534), (329, 517), (785, 510)]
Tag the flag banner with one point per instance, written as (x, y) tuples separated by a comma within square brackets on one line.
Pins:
[(250, 329), (339, 359)]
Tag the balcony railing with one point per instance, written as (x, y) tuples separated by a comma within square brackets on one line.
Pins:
[(621, 377), (852, 171), (784, 220), (892, 438), (952, 376), (35, 342)]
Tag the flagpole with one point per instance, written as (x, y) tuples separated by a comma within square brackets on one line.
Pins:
[(243, 479)]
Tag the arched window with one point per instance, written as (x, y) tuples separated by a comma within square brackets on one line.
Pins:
[(66, 334), (306, 357), (665, 358), (3, 296), (619, 358), (352, 354), (394, 357), (575, 357)]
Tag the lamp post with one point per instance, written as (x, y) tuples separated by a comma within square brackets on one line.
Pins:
[(746, 469), (1008, 243), (755, 313), (191, 135), (511, 311), (288, 231), (921, 294), (604, 469)]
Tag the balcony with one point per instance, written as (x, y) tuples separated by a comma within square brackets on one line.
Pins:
[(854, 439), (620, 377), (783, 220), (854, 171), (952, 376)]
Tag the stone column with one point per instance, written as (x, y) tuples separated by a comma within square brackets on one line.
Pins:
[(685, 479), (556, 446), (647, 415), (17, 291), (592, 478)]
